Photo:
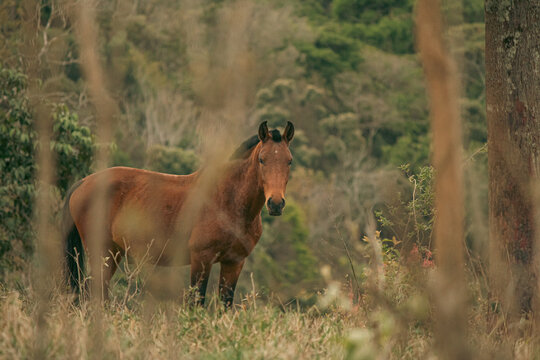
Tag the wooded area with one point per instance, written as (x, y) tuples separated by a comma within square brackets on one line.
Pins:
[(412, 207)]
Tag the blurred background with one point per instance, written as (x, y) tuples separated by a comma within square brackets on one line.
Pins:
[(345, 72), (179, 77)]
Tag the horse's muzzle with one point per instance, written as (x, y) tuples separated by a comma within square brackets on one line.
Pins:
[(275, 209)]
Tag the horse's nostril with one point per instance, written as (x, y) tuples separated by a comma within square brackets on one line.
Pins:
[(275, 206)]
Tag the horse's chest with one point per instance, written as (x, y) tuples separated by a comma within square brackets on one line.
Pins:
[(227, 240)]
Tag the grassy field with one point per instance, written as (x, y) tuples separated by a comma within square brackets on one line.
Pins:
[(168, 331), (394, 322)]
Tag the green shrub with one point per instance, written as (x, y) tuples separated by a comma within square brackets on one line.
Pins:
[(282, 261), (17, 166), (332, 53), (171, 160), (72, 144), (411, 220)]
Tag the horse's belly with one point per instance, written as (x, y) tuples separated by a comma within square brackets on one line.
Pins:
[(144, 238)]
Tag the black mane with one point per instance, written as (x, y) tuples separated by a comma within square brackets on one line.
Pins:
[(251, 142)]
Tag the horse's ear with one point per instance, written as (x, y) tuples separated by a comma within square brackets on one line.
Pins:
[(288, 133), (263, 132)]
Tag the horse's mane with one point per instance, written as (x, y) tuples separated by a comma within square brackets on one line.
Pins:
[(245, 148)]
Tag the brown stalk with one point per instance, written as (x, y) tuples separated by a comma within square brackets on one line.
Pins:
[(448, 285), (47, 249), (223, 78), (86, 30)]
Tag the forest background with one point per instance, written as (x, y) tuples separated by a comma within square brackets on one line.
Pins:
[(345, 72)]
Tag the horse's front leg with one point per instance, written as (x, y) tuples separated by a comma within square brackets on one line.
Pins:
[(200, 272), (228, 278)]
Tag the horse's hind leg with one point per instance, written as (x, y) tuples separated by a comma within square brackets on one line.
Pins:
[(200, 272), (111, 259), (108, 263)]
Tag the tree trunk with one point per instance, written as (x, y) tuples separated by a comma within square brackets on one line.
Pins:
[(513, 116)]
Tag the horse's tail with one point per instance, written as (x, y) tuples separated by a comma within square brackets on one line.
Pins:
[(73, 250)]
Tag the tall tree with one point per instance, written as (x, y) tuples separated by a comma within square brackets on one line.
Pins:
[(513, 116)]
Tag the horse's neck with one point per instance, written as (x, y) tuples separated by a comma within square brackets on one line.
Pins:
[(247, 190)]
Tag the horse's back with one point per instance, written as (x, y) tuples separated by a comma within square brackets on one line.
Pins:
[(141, 206), (120, 183)]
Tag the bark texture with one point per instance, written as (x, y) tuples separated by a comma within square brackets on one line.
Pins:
[(513, 101)]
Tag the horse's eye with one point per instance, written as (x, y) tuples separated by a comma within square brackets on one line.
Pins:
[(261, 161), (290, 162)]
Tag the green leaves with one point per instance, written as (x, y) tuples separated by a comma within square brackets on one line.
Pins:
[(283, 260), (330, 54), (72, 144), (17, 138), (172, 160)]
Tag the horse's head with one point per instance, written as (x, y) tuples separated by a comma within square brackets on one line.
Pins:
[(274, 164)]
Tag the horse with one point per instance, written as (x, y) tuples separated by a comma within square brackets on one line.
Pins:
[(143, 207)]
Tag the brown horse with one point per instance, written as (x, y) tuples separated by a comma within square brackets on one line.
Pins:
[(143, 208)]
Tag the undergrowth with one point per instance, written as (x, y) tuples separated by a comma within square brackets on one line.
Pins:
[(169, 330), (391, 320)]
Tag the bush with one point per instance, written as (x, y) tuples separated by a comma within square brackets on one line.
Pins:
[(72, 144), (18, 168), (331, 54), (172, 160), (411, 220), (282, 260), (387, 25)]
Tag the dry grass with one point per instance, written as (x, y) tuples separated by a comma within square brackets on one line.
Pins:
[(394, 324), (171, 331)]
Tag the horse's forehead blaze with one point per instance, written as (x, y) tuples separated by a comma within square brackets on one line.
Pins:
[(276, 150)]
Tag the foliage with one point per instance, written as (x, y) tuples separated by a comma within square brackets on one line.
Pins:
[(409, 146), (390, 33), (17, 166), (330, 54), (72, 144), (74, 147), (387, 25), (283, 262), (172, 160), (11, 13), (473, 11), (411, 220)]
